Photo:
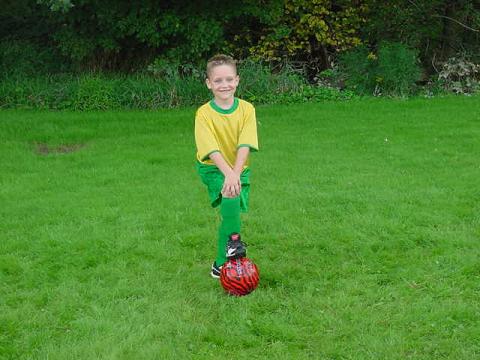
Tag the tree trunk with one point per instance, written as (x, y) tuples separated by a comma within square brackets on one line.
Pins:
[(448, 47)]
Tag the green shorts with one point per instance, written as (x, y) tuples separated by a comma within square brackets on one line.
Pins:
[(213, 178)]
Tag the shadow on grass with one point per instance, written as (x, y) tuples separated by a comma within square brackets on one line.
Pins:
[(45, 149)]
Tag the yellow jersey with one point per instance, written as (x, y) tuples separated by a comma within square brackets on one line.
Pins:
[(225, 131)]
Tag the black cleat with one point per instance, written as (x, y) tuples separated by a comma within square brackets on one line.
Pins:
[(215, 273), (235, 247)]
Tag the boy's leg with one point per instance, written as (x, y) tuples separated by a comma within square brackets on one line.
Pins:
[(230, 223)]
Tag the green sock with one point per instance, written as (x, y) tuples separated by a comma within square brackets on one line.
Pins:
[(230, 211)]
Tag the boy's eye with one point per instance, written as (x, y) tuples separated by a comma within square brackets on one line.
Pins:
[(228, 80)]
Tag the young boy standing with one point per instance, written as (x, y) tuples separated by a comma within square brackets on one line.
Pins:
[(225, 134)]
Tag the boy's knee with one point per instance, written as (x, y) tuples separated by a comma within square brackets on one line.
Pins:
[(230, 206)]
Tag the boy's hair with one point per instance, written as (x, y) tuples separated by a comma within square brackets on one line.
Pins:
[(218, 60)]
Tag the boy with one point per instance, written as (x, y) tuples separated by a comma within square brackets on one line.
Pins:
[(225, 134)]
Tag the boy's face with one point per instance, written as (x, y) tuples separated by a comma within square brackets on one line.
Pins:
[(223, 81)]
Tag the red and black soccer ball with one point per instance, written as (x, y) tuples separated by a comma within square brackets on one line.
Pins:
[(239, 277)]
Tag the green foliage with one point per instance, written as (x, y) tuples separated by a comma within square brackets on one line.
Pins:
[(398, 69), (57, 5), (358, 68), (260, 83), (101, 92), (329, 78), (94, 92), (25, 58), (437, 29), (311, 93), (174, 70), (166, 85), (393, 70), (125, 35), (306, 29)]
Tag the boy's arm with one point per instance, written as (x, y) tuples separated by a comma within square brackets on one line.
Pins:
[(242, 156)]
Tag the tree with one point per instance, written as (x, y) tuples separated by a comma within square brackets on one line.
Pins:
[(437, 28), (311, 31), (120, 34)]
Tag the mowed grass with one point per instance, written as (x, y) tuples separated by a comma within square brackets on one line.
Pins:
[(364, 223)]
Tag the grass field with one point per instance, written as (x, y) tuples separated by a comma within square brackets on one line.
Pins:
[(364, 223)]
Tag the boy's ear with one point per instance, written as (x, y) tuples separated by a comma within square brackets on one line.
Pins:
[(207, 82)]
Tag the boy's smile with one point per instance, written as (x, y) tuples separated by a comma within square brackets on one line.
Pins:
[(223, 81)]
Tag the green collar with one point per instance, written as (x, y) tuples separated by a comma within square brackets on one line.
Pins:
[(224, 111)]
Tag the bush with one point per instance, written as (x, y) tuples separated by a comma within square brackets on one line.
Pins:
[(460, 75), (398, 69), (358, 70), (260, 83), (101, 92), (164, 85), (23, 58), (393, 71), (311, 93), (94, 92), (180, 84)]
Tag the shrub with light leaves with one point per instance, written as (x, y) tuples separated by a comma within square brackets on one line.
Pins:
[(460, 75)]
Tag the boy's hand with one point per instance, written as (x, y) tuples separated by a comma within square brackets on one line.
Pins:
[(231, 185)]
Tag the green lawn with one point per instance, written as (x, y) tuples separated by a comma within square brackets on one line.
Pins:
[(364, 223)]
